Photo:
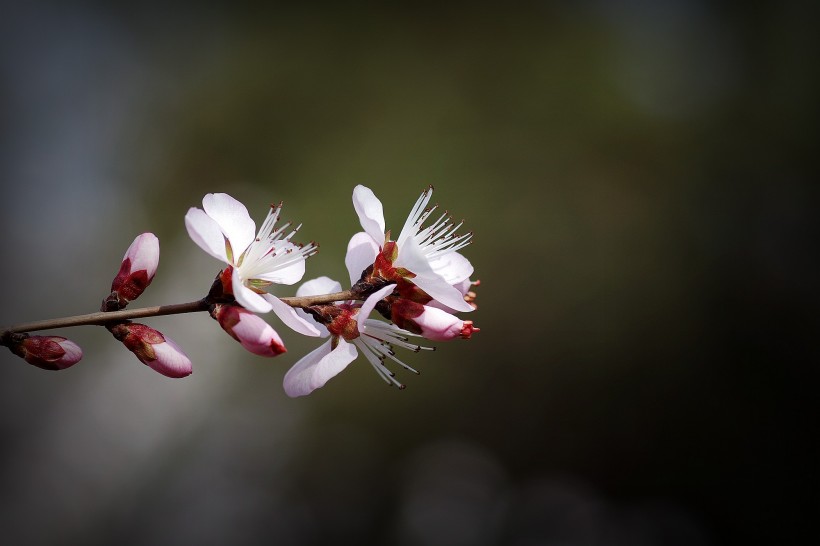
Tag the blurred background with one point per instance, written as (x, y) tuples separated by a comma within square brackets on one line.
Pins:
[(638, 177)]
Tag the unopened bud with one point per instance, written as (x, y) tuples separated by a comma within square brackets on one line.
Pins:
[(249, 329), (47, 352), (429, 322), (136, 272), (153, 349)]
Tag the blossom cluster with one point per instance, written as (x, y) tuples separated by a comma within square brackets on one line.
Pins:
[(402, 291)]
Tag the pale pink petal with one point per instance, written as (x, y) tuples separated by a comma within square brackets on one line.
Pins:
[(233, 219), (205, 232), (288, 315), (170, 361), (361, 253), (246, 297), (370, 211), (144, 254), (370, 303), (319, 286), (317, 367), (452, 267)]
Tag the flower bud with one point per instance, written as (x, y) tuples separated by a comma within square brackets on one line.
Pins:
[(153, 349), (249, 329), (47, 352), (136, 272), (429, 322)]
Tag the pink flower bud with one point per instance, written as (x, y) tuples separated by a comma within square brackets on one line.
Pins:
[(48, 352), (254, 333), (136, 272), (429, 322), (153, 349)]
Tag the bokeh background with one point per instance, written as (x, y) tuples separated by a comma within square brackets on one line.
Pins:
[(639, 176)]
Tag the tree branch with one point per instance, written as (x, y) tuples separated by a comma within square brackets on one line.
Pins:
[(101, 318)]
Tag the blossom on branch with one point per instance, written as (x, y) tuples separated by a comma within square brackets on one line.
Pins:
[(224, 229), (424, 261), (351, 331), (338, 322)]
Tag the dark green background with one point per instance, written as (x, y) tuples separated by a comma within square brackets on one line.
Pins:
[(638, 178)]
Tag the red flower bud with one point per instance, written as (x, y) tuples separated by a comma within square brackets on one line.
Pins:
[(249, 329), (153, 349), (47, 352)]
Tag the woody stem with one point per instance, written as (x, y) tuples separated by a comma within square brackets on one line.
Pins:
[(101, 318)]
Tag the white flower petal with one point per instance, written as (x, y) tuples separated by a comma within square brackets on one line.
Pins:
[(370, 211), (246, 297), (452, 267), (289, 274), (317, 367), (318, 286), (439, 290), (314, 287), (361, 253), (412, 257), (463, 287), (288, 315), (410, 228), (205, 232), (370, 303), (233, 219)]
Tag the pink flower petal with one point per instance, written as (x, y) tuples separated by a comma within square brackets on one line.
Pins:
[(233, 219), (205, 232), (318, 367), (439, 325), (370, 211), (144, 254), (73, 353), (257, 336), (170, 361), (361, 253)]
